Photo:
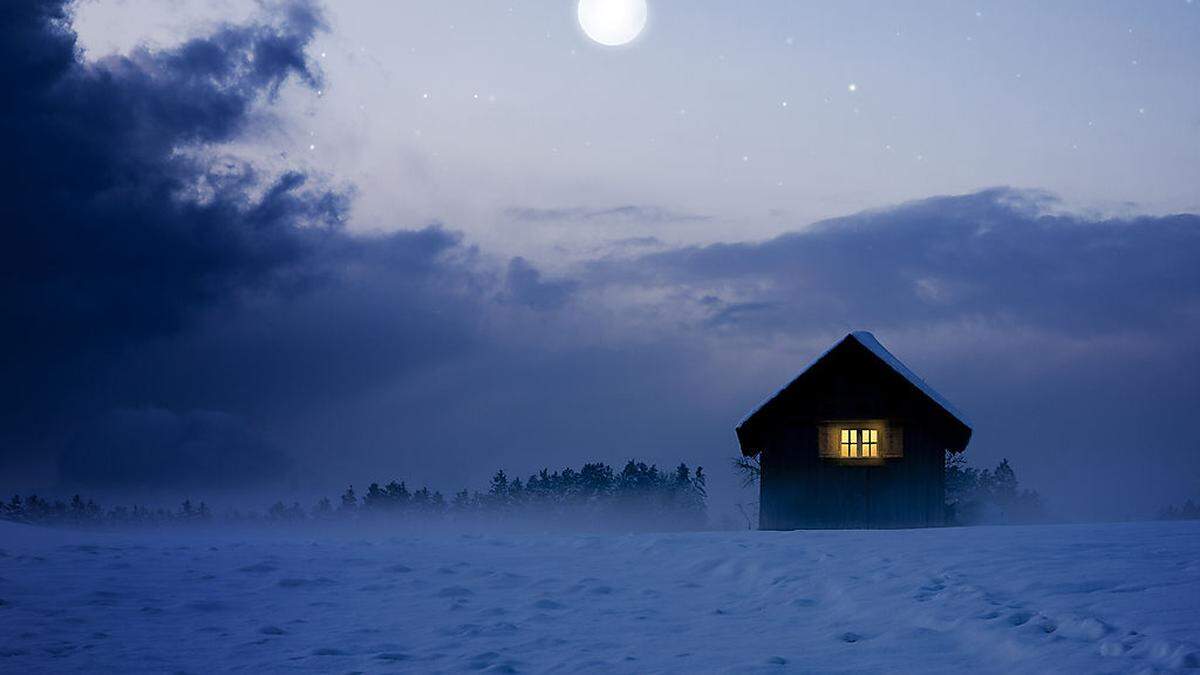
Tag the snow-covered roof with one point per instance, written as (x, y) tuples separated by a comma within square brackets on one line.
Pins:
[(866, 339)]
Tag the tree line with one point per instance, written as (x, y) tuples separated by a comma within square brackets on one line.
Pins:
[(1188, 511), (640, 496), (975, 496)]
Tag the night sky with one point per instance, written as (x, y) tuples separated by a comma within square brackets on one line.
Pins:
[(274, 249)]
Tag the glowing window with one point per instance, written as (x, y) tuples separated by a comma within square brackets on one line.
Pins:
[(860, 443)]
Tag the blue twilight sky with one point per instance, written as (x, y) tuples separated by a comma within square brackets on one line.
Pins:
[(300, 245)]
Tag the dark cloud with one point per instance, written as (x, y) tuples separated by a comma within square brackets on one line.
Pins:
[(123, 241), (100, 248), (526, 286), (644, 214), (995, 253), (152, 448)]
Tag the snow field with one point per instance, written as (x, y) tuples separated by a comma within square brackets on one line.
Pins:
[(1068, 598)]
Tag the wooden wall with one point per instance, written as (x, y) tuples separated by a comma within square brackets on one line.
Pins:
[(802, 489)]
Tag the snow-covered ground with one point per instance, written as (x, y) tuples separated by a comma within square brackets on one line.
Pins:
[(1071, 598)]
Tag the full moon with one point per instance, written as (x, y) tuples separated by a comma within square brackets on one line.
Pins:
[(612, 22)]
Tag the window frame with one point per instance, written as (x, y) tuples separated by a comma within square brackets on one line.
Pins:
[(865, 441)]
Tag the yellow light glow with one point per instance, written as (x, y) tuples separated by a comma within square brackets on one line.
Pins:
[(859, 443)]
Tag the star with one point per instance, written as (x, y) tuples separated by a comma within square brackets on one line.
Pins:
[(852, 87)]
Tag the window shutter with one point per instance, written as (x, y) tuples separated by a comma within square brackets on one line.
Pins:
[(827, 442), (894, 447)]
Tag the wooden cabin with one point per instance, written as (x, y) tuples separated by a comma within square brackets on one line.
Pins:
[(856, 440)]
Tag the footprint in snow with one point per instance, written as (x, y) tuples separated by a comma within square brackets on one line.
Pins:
[(546, 603), (398, 569), (491, 661), (272, 630), (207, 606), (305, 583), (258, 568), (455, 592), (105, 598), (1019, 618)]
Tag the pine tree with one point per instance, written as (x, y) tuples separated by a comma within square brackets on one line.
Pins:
[(498, 491), (349, 501), (374, 499), (397, 494), (461, 503)]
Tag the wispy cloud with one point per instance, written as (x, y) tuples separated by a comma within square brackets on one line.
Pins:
[(625, 214)]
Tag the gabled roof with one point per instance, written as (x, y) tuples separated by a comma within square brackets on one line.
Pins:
[(868, 340)]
